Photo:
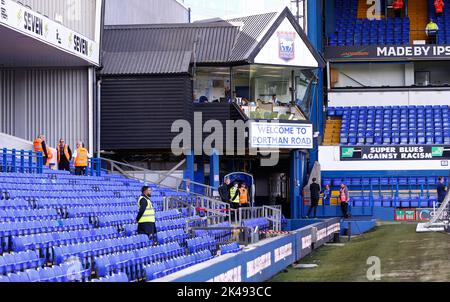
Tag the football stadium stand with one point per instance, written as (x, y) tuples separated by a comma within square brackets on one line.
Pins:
[(55, 227), (393, 125), (351, 30)]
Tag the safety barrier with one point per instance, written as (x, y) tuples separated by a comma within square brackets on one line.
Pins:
[(21, 161), (263, 260)]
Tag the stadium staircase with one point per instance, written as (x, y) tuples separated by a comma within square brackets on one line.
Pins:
[(332, 132), (418, 15), (363, 7), (56, 227)]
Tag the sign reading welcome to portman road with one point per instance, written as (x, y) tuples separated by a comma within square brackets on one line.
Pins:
[(281, 135), (32, 24), (388, 52), (370, 153)]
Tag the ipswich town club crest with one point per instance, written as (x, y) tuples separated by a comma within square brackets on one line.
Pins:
[(286, 45)]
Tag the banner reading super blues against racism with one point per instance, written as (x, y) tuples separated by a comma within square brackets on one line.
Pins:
[(365, 153)]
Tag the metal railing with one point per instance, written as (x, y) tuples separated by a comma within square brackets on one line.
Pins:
[(21, 161), (158, 178), (441, 213), (271, 213), (213, 209)]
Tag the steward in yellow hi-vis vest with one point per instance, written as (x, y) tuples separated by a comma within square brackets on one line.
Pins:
[(146, 218)]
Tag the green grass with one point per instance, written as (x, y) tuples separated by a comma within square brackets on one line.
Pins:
[(404, 254)]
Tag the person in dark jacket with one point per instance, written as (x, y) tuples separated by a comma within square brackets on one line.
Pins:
[(224, 191), (64, 156), (442, 191), (146, 216), (314, 190)]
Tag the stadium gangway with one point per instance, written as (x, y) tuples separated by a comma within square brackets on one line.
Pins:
[(21, 161), (162, 178)]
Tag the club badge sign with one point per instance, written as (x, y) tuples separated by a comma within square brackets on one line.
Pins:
[(286, 45), (374, 153)]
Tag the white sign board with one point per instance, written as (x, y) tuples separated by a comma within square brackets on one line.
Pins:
[(286, 47), (32, 24), (281, 135)]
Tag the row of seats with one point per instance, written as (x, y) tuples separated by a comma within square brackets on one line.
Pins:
[(400, 201), (218, 235), (349, 30), (201, 243), (161, 269), (16, 262), (230, 248), (47, 240), (87, 250), (178, 235), (383, 181), (116, 278), (262, 224), (391, 31), (132, 262), (60, 273), (393, 125)]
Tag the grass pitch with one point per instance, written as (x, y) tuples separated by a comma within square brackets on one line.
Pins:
[(406, 256)]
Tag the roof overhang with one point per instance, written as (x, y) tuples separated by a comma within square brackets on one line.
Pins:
[(29, 39)]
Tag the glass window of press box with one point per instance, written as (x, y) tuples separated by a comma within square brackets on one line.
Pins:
[(272, 92), (212, 84), (421, 74)]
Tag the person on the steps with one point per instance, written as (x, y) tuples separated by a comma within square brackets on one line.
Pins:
[(439, 7), (344, 199), (146, 218), (398, 5), (327, 196), (314, 190), (441, 191), (432, 31)]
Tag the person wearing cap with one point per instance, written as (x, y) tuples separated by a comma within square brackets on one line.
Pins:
[(146, 216)]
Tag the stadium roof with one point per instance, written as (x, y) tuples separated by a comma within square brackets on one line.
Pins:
[(165, 48)]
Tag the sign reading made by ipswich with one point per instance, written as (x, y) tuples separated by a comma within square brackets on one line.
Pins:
[(365, 153), (406, 52)]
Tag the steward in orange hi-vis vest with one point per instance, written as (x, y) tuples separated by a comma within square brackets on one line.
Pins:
[(82, 158)]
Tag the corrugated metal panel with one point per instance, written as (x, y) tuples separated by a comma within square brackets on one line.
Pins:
[(120, 12), (252, 28), (56, 104), (138, 112), (78, 15), (146, 62), (7, 101), (213, 42)]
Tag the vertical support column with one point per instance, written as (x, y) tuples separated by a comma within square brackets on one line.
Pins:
[(214, 171), (199, 175), (297, 174), (189, 172), (315, 35)]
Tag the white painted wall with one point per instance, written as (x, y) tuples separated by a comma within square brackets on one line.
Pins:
[(389, 98), (329, 159), (374, 75)]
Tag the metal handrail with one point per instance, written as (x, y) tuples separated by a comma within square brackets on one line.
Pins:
[(29, 161), (117, 165)]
